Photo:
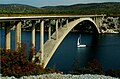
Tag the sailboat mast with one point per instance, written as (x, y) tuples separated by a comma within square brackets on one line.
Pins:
[(80, 38)]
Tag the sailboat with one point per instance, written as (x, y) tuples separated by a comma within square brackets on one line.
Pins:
[(79, 42)]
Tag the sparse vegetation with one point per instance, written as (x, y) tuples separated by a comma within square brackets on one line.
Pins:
[(15, 63)]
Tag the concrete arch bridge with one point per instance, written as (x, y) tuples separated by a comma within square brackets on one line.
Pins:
[(48, 48)]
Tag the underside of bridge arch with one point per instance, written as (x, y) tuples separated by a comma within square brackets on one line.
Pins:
[(86, 26)]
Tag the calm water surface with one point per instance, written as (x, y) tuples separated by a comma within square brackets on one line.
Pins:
[(105, 48)]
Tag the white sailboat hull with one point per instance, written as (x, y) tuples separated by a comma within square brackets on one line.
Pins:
[(81, 45)]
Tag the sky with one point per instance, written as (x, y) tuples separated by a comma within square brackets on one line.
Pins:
[(42, 3)]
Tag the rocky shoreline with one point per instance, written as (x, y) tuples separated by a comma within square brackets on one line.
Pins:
[(62, 76)]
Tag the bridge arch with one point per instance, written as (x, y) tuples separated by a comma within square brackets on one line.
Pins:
[(52, 44), (90, 22), (86, 26)]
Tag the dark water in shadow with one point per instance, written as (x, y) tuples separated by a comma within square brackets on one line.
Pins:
[(105, 48)]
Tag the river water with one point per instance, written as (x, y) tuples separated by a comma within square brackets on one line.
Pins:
[(105, 48)]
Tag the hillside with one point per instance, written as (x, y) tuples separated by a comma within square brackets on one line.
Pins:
[(19, 8), (92, 8)]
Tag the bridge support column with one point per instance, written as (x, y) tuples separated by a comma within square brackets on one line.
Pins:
[(56, 29), (98, 22), (18, 36), (66, 23), (94, 19), (33, 42), (101, 21), (33, 35), (61, 23), (49, 32), (7, 37), (42, 41)]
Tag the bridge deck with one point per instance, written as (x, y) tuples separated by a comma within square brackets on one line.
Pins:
[(47, 17)]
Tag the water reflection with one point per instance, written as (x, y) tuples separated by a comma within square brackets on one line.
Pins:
[(93, 48)]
